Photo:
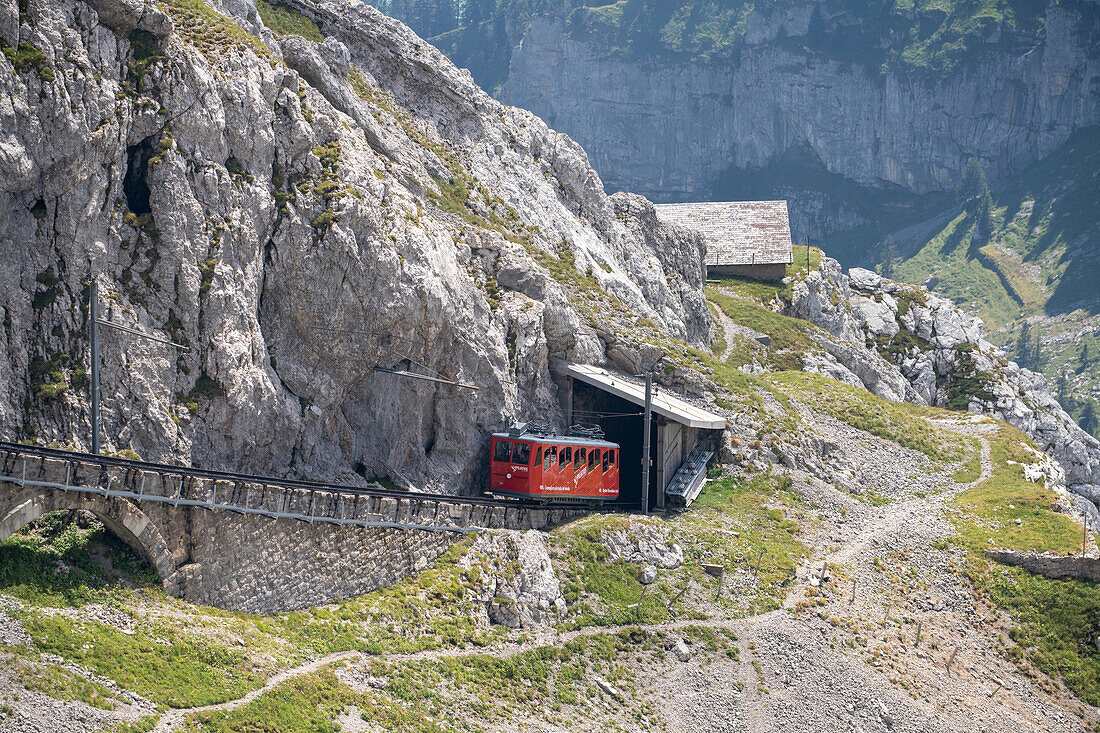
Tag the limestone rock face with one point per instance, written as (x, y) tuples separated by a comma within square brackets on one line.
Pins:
[(298, 214), (905, 343), (669, 129), (519, 587), (645, 545)]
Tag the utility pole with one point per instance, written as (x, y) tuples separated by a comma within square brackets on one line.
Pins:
[(645, 441), (93, 320)]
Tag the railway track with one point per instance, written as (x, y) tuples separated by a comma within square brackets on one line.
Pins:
[(144, 481)]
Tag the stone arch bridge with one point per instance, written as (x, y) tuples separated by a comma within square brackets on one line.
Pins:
[(249, 543)]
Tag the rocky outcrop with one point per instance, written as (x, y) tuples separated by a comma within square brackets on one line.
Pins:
[(903, 342), (517, 580), (669, 129), (297, 214), (644, 544)]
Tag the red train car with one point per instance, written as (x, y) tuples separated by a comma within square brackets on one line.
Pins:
[(553, 468)]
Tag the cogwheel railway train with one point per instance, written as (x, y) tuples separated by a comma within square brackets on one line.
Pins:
[(553, 468)]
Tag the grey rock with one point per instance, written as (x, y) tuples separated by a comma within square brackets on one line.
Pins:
[(527, 597), (288, 296), (644, 544), (647, 575), (681, 651), (948, 343)]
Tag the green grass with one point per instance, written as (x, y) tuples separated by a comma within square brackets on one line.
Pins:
[(30, 562), (548, 684), (284, 21), (971, 469), (60, 684), (1054, 621), (986, 514), (211, 32), (790, 337), (194, 655), (948, 259), (306, 704), (900, 422), (602, 591), (167, 665)]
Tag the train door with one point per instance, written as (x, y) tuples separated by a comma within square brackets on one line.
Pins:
[(610, 466), (565, 468), (535, 481), (550, 481), (580, 468), (593, 479)]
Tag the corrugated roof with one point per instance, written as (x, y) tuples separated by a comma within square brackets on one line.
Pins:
[(664, 404), (737, 232)]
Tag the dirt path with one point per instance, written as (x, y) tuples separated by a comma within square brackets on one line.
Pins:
[(892, 519), (171, 719)]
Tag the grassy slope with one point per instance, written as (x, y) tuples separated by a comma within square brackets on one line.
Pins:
[(1041, 263), (1055, 622)]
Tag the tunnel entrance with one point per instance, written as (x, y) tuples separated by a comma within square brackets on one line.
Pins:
[(622, 422), (682, 436)]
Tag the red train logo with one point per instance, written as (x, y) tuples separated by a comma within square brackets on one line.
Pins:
[(553, 468)]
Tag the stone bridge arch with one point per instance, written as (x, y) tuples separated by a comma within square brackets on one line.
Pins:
[(122, 517)]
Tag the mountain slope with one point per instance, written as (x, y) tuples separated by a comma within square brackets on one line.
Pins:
[(1038, 266), (298, 213)]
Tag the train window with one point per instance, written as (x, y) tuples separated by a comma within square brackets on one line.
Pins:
[(502, 450), (593, 457), (521, 453), (611, 458), (552, 456), (538, 456), (606, 455), (566, 456), (578, 459)]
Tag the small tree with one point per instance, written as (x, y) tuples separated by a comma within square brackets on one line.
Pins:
[(1089, 422), (889, 258), (1063, 392), (973, 183), (1083, 357), (1027, 353)]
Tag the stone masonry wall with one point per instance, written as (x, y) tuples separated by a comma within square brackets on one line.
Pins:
[(1050, 566), (257, 564)]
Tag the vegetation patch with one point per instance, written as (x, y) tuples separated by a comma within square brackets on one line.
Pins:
[(900, 422), (28, 57), (547, 684), (966, 382), (212, 33), (61, 684), (744, 525), (790, 337), (285, 21)]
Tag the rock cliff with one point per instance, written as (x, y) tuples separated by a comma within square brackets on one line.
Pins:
[(669, 128), (297, 213)]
